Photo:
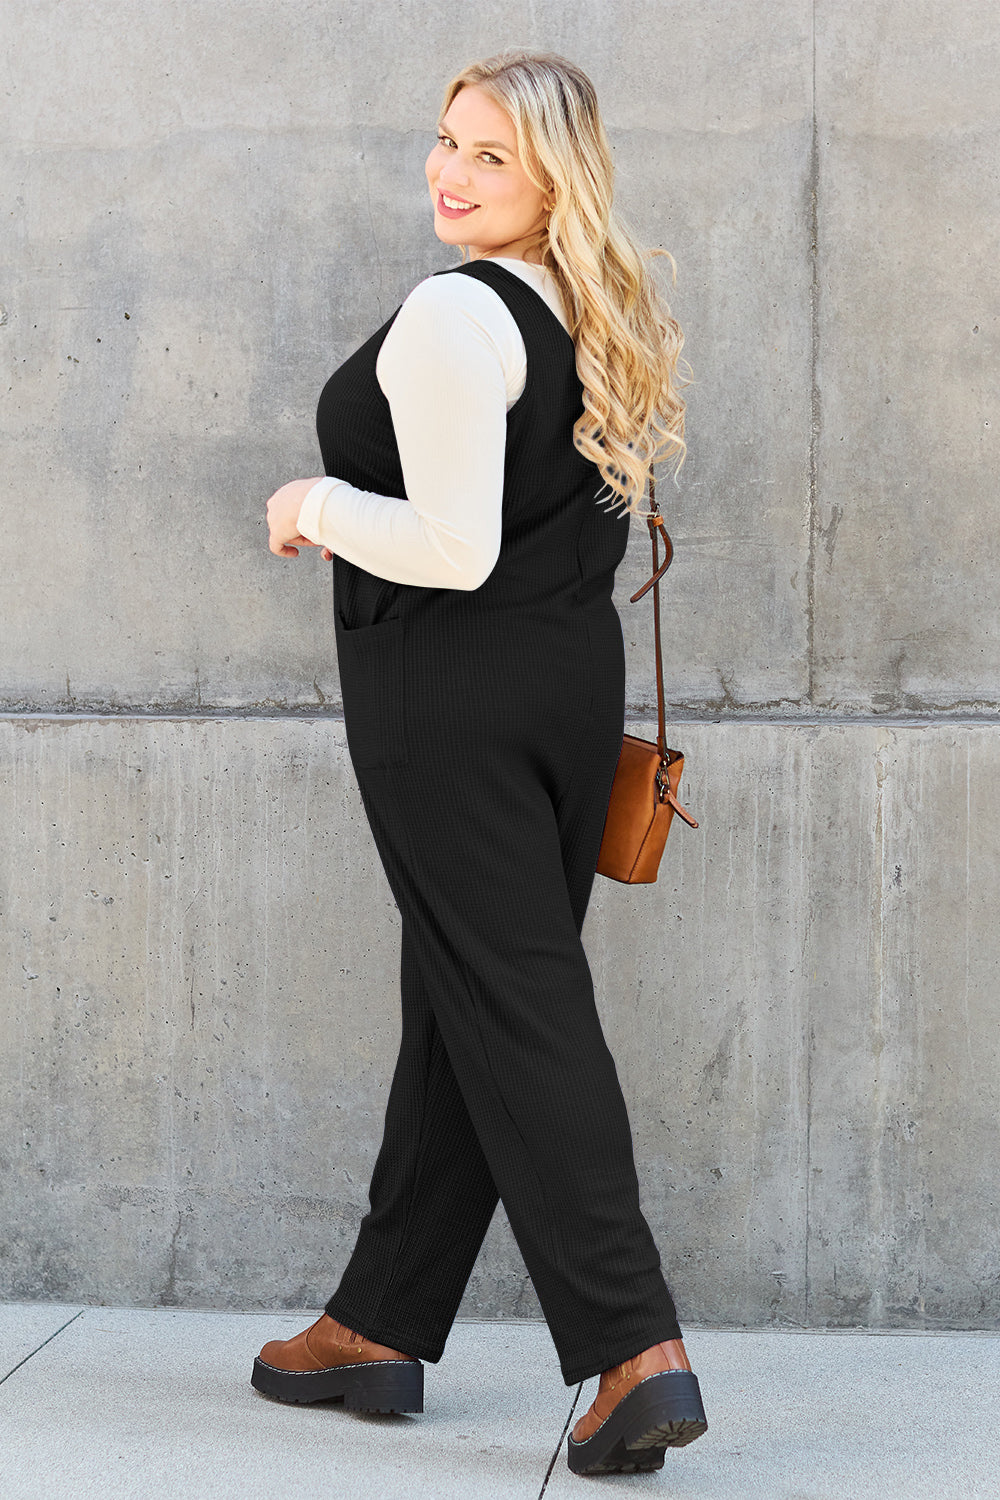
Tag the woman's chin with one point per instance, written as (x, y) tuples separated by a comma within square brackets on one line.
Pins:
[(448, 230)]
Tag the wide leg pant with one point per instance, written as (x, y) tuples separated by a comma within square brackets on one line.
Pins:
[(504, 1086)]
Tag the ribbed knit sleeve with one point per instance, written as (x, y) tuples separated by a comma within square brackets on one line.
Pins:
[(450, 366)]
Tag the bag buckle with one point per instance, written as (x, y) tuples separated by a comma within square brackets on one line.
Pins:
[(666, 795)]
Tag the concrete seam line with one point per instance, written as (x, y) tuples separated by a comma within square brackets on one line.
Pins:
[(558, 1447), (811, 718), (51, 1336)]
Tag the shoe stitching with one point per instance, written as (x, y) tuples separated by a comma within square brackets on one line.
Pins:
[(329, 1369)]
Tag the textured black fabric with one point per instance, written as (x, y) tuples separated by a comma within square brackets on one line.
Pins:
[(484, 727)]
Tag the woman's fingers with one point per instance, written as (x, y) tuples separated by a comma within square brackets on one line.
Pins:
[(283, 509), (288, 546)]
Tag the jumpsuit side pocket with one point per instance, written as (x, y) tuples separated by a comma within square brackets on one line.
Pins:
[(591, 660), (373, 688), (606, 655)]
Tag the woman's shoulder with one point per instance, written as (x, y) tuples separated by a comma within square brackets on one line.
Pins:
[(456, 297), (452, 295), (451, 313)]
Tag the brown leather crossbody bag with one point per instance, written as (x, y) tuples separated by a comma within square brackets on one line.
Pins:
[(644, 791)]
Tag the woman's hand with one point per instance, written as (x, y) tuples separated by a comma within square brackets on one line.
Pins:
[(282, 519)]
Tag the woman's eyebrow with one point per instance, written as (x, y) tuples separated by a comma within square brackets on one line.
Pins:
[(477, 144)]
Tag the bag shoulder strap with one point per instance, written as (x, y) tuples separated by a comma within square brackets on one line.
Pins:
[(656, 524)]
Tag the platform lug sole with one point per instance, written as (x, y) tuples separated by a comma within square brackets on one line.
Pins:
[(663, 1411), (376, 1385)]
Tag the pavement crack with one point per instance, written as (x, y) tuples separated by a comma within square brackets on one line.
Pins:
[(51, 1336), (558, 1447)]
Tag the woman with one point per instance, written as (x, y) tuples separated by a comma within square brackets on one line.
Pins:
[(466, 446)]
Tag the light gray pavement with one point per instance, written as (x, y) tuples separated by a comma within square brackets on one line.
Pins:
[(123, 1402)]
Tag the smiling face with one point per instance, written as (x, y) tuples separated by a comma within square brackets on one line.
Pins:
[(482, 196)]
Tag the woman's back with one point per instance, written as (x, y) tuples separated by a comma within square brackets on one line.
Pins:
[(558, 546)]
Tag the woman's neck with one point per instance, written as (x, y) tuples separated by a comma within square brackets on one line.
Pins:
[(526, 260)]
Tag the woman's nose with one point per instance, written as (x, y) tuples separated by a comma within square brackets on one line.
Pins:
[(453, 171)]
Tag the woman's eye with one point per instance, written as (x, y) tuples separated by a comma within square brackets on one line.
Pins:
[(488, 156)]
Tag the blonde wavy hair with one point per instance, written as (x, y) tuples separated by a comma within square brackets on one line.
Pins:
[(627, 343)]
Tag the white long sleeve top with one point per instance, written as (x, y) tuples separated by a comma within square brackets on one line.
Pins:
[(451, 366)]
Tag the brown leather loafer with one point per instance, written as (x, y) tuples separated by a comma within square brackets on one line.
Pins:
[(643, 1406), (329, 1362)]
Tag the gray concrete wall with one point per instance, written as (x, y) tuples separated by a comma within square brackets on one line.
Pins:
[(209, 207), (201, 1018)]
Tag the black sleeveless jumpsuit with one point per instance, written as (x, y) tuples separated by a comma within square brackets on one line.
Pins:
[(484, 727)]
